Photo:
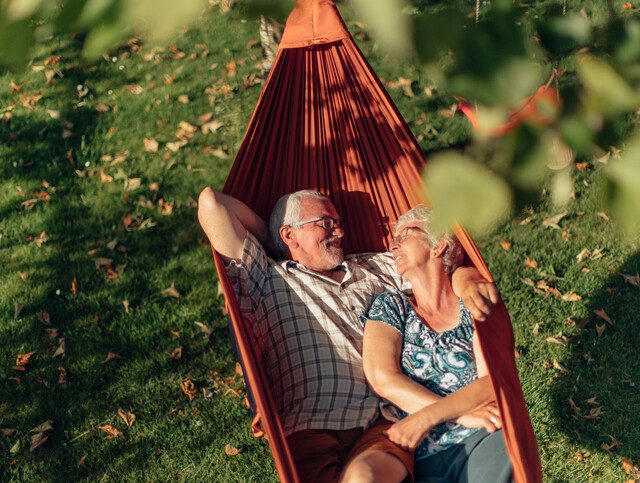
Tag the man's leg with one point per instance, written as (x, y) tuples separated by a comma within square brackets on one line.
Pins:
[(376, 459), (488, 462)]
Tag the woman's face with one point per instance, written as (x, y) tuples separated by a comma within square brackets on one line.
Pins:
[(410, 248)]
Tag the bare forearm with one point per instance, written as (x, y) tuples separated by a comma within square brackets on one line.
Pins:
[(406, 394), (245, 215), (465, 400)]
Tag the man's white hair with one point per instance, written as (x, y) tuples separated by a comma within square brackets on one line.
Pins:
[(287, 212), (453, 254)]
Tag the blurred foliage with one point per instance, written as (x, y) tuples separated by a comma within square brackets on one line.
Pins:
[(494, 58)]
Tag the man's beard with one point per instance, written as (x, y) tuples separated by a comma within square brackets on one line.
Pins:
[(334, 250)]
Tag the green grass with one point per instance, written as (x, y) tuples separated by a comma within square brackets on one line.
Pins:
[(173, 437)]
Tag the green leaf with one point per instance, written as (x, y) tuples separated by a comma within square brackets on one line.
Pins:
[(606, 91), (623, 189), (161, 19), (389, 25), (103, 38), (565, 33), (16, 42), (15, 10), (464, 192)]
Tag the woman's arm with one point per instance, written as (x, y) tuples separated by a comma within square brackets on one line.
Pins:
[(381, 353), (225, 220), (471, 406)]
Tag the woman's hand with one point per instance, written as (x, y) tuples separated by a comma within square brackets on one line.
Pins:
[(409, 432), (479, 298), (487, 417)]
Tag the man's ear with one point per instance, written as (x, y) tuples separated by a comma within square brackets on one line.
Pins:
[(288, 236), (438, 250)]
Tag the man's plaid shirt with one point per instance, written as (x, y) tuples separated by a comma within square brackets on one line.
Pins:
[(307, 329)]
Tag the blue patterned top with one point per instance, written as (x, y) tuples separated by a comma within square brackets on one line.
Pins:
[(443, 362)]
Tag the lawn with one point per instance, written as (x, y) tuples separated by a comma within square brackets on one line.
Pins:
[(106, 276)]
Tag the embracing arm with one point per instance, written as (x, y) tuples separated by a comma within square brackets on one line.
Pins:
[(381, 353), (478, 295), (225, 220)]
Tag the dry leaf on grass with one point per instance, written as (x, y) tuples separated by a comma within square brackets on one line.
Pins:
[(172, 291), (176, 354), (111, 431), (7, 432), (81, 460), (558, 366), (600, 329), (150, 145), (43, 427), (573, 406), (603, 315), (571, 296), (506, 246), (554, 220), (595, 413), (22, 361), (37, 440), (189, 388), (204, 328), (112, 356), (530, 262), (631, 279), (231, 450), (17, 309), (43, 317), (211, 127), (60, 351), (561, 340), (584, 253), (128, 417), (238, 370)]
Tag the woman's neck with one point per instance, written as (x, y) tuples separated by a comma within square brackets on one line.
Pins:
[(434, 296)]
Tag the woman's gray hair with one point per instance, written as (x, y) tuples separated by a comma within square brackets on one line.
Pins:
[(287, 212), (454, 253)]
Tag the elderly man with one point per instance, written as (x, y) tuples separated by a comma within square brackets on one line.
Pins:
[(303, 313)]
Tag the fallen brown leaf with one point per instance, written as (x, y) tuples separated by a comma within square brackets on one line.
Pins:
[(554, 220), (62, 375), (111, 431), (128, 417), (183, 99), (211, 127), (171, 291), (29, 101), (7, 432), (81, 461), (43, 317), (238, 370), (600, 329), (112, 356), (231, 450), (22, 361), (74, 286), (584, 253), (561, 340), (17, 309), (176, 354), (506, 246), (573, 406), (627, 6), (530, 262), (37, 440), (558, 366), (591, 400), (43, 427), (631, 279), (188, 388), (150, 145), (603, 315), (41, 239), (595, 413), (571, 296), (582, 166), (60, 351), (125, 304), (52, 333)]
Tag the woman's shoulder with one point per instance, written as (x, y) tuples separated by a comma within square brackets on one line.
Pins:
[(392, 297)]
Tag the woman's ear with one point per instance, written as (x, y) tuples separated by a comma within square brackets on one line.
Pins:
[(288, 237), (437, 251)]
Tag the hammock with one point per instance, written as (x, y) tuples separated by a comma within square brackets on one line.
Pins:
[(325, 122)]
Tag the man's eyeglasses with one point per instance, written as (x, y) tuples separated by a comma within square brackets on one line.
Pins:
[(325, 222)]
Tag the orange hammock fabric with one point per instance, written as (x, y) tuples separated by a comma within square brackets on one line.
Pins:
[(324, 121)]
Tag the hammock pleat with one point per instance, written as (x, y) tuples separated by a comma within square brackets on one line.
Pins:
[(324, 121)]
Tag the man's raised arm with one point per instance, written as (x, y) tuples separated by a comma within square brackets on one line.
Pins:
[(225, 220)]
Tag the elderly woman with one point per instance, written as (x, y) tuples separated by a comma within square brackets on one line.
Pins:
[(425, 344)]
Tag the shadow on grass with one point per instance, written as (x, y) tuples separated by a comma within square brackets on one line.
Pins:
[(94, 321), (603, 372)]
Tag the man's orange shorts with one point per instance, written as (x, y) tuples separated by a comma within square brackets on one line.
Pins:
[(321, 455)]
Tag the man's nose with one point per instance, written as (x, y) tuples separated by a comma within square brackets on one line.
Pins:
[(337, 231), (394, 245)]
